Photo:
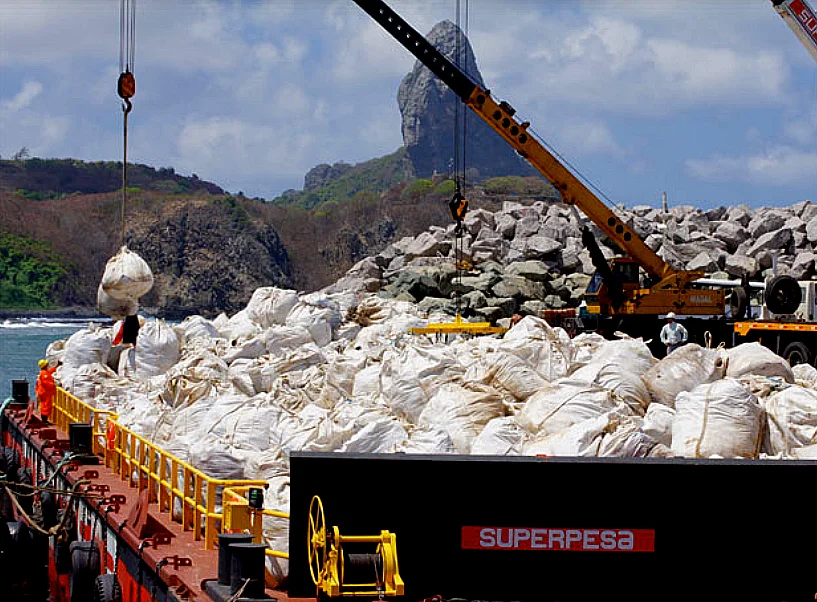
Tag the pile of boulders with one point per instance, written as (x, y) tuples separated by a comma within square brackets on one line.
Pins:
[(526, 258)]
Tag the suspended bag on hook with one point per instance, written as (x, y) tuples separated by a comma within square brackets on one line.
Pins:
[(127, 276)]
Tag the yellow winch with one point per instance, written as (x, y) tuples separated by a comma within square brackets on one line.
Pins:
[(337, 572)]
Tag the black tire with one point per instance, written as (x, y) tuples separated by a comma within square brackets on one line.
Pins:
[(783, 295), (107, 589), (797, 353), (738, 303), (84, 570), (12, 462)]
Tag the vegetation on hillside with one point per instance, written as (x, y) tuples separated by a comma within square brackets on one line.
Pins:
[(375, 176), (43, 179), (29, 271), (531, 186)]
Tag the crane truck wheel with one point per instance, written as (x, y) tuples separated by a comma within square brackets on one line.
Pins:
[(783, 295), (738, 303), (797, 353)]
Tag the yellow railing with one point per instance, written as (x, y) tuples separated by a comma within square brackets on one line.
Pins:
[(187, 494), (239, 517), (68, 408)]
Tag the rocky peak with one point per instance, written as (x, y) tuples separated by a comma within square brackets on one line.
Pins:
[(428, 108), (322, 174)]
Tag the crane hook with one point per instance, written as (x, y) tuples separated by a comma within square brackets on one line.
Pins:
[(126, 88)]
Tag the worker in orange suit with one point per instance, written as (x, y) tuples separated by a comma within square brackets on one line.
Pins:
[(46, 388)]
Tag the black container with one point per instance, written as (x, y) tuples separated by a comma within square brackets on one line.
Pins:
[(19, 391), (225, 557), (247, 563), (80, 438)]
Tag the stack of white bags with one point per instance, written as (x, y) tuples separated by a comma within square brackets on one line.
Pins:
[(236, 395)]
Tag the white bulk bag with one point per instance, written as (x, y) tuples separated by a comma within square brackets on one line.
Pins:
[(340, 378), (195, 327), (683, 370), (276, 530), (563, 404), (719, 419), (411, 377), (757, 360), (247, 428), (805, 375), (89, 346), (626, 385), (319, 315), (249, 348), (216, 459), (579, 439), (381, 436), (127, 276), (658, 423), (500, 437), (429, 439), (509, 372), (157, 349), (86, 381), (463, 411), (367, 382), (280, 340), (547, 350), (114, 308), (238, 327), (792, 420), (269, 306)]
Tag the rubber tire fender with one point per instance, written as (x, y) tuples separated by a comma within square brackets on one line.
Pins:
[(797, 349), (107, 589), (84, 570), (783, 295)]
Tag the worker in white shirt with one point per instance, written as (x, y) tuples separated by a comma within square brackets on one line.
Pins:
[(673, 334)]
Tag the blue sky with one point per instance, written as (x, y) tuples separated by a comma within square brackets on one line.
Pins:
[(714, 101)]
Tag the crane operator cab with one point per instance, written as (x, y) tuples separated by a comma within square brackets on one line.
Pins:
[(608, 285)]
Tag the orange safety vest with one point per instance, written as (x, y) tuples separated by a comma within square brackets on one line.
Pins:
[(46, 388)]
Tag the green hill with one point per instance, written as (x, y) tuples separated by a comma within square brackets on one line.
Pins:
[(40, 179), (374, 176)]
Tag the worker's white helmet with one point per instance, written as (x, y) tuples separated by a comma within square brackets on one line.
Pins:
[(671, 315)]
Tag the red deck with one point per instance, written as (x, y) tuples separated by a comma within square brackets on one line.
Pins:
[(184, 565)]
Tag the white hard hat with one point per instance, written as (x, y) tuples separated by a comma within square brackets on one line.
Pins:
[(671, 315)]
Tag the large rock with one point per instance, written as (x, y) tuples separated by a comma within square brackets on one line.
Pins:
[(766, 221), (732, 234), (803, 266), (426, 244), (740, 265), (428, 108), (541, 247), (775, 241), (518, 288), (534, 270)]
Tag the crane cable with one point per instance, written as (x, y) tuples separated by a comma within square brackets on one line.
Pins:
[(126, 85), (459, 205)]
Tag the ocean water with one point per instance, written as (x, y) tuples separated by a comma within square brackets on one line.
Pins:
[(23, 343)]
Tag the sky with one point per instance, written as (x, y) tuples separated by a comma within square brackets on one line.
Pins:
[(712, 101)]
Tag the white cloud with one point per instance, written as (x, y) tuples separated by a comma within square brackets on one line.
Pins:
[(781, 165), (30, 91), (801, 126), (585, 137), (369, 54), (226, 147)]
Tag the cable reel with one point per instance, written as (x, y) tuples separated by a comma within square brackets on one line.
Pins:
[(339, 573)]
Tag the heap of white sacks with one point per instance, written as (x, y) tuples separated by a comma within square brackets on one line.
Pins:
[(338, 373)]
